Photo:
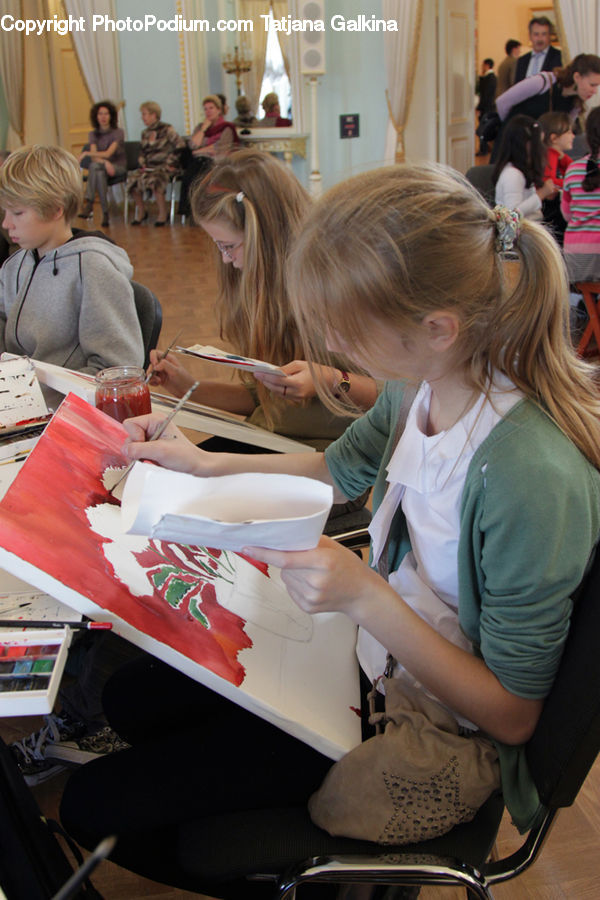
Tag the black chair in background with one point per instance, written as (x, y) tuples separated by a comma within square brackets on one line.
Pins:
[(481, 179), (149, 313), (283, 845), (132, 155)]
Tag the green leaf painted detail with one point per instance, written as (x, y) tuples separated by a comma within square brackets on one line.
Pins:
[(176, 591), (197, 613), (160, 576)]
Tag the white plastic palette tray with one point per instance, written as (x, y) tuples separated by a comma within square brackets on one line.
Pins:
[(31, 667)]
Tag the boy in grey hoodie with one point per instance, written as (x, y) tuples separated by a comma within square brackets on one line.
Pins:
[(66, 296)]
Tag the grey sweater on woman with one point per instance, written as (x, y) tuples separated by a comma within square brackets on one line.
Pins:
[(72, 307)]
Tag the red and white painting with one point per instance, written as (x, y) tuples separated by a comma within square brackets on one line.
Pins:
[(224, 619)]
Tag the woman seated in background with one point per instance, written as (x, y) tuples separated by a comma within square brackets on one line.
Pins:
[(159, 161), (558, 137), (104, 159), (563, 90), (245, 117), (519, 172), (252, 206), (212, 139), (273, 117), (580, 205)]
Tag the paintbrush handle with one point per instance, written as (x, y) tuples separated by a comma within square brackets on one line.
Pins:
[(41, 623), (164, 355), (160, 430)]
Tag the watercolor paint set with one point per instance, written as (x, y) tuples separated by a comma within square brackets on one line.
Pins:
[(31, 667)]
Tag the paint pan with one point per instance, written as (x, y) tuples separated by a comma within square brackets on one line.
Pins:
[(31, 667)]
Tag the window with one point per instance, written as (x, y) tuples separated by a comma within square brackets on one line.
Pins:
[(275, 77)]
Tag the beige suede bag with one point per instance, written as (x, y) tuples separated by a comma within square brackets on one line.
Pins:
[(414, 781)]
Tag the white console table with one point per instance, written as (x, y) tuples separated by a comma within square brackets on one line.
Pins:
[(277, 140)]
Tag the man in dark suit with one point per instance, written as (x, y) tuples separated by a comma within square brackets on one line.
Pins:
[(486, 88), (543, 57)]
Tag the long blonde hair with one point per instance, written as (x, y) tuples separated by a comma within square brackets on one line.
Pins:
[(253, 192), (396, 243)]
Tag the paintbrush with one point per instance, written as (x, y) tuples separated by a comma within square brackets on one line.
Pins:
[(41, 623), (160, 430), (162, 356)]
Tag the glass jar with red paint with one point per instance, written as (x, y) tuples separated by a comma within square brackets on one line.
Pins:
[(122, 392)]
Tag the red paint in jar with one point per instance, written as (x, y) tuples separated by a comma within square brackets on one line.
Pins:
[(121, 392)]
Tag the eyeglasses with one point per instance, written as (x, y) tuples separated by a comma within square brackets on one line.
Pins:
[(228, 249)]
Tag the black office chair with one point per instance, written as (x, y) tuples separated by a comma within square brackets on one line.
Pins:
[(283, 845), (481, 179), (149, 313)]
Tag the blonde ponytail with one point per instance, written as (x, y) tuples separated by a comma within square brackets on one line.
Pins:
[(531, 341)]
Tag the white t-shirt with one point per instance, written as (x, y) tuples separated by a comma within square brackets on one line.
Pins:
[(512, 193), (426, 474)]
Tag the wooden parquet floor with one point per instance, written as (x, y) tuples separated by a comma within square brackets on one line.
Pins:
[(177, 263)]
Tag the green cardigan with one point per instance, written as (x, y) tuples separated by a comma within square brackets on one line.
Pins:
[(529, 520)]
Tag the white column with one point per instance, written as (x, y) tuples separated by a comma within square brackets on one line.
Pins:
[(315, 180)]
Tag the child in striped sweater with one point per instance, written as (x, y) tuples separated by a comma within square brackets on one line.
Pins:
[(580, 205)]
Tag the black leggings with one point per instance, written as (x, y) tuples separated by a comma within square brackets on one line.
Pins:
[(193, 754)]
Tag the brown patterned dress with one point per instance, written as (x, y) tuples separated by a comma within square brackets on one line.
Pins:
[(159, 158)]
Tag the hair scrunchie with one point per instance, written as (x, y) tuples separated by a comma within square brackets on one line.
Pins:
[(508, 227)]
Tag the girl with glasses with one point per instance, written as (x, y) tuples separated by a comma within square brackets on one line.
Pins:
[(252, 207)]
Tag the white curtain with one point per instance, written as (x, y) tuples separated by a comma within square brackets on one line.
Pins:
[(579, 30), (12, 72), (579, 26), (280, 10), (252, 80), (97, 51), (401, 49)]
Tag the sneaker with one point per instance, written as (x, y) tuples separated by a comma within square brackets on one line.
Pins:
[(84, 749), (30, 752)]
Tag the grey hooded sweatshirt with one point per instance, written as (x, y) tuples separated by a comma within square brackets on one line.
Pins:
[(73, 307)]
